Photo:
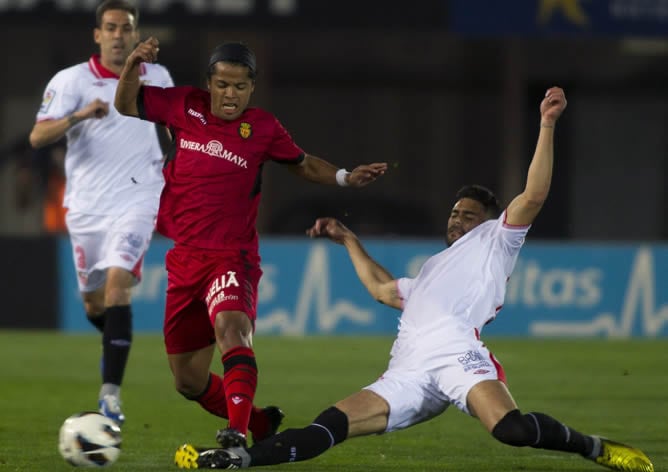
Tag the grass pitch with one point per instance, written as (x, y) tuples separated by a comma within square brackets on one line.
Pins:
[(618, 389)]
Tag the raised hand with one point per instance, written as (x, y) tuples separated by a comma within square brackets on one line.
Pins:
[(552, 106), (146, 51)]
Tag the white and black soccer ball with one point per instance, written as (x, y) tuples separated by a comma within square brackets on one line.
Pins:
[(89, 439)]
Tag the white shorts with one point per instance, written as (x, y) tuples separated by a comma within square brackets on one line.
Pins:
[(415, 396), (100, 242)]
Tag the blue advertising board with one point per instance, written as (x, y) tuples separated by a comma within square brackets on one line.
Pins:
[(308, 287), (615, 18)]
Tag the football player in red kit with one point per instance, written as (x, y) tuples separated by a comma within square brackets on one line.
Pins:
[(209, 208)]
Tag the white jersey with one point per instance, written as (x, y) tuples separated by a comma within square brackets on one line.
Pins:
[(456, 292), (113, 163)]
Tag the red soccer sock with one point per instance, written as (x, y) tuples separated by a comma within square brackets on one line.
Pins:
[(213, 399), (239, 381)]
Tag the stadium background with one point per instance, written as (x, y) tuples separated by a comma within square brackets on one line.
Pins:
[(447, 93)]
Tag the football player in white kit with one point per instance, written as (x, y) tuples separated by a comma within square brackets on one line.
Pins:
[(438, 358), (113, 182)]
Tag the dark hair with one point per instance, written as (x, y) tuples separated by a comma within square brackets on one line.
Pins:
[(234, 53), (482, 195), (116, 5)]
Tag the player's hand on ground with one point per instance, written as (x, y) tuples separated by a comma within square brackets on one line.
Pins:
[(365, 174), (552, 106), (146, 51), (329, 228), (95, 109)]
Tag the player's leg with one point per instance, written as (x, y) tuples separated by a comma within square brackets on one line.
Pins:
[(362, 413), (193, 380), (94, 307), (116, 339), (122, 254), (231, 299), (492, 403), (89, 242), (190, 342), (396, 401), (234, 335)]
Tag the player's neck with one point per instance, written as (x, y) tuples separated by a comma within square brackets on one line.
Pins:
[(109, 65)]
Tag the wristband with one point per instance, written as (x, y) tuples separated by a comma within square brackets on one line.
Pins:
[(341, 175)]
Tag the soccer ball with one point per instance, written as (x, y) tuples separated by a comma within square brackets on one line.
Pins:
[(89, 439)]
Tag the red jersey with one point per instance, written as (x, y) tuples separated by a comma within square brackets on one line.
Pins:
[(212, 185)]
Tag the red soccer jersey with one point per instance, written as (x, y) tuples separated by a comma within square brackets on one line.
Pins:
[(212, 186)]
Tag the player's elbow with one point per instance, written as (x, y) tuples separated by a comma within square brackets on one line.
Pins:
[(535, 199), (122, 107), (36, 140)]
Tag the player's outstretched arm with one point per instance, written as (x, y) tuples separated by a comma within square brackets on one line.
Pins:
[(525, 207), (318, 170), (377, 280), (128, 84)]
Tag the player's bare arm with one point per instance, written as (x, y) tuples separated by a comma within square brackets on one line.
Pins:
[(318, 170), (525, 207), (50, 131), (129, 84), (377, 280)]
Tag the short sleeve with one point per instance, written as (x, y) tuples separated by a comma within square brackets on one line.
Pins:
[(164, 106), (509, 239), (167, 80), (60, 98), (282, 148), (405, 288)]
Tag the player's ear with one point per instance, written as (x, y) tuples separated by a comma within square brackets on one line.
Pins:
[(96, 35)]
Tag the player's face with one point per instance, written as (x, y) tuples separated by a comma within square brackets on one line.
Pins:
[(231, 90), (116, 36), (465, 215)]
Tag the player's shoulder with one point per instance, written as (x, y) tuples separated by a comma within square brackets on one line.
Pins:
[(157, 70), (260, 116), (75, 72)]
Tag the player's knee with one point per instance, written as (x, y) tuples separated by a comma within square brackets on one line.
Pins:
[(97, 320), (187, 389), (336, 422), (94, 308), (515, 429), (117, 296)]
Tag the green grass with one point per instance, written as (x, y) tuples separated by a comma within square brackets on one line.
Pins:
[(614, 388)]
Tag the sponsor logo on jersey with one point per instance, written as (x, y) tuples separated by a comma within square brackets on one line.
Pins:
[(481, 371), (99, 83), (49, 95), (245, 130), (197, 115), (214, 148)]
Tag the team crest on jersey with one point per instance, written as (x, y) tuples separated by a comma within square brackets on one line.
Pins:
[(245, 130), (49, 95)]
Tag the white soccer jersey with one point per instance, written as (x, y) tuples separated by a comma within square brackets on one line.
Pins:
[(113, 163), (456, 292)]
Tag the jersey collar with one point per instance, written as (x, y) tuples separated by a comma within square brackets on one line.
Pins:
[(102, 72)]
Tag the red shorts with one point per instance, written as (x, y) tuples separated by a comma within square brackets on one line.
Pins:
[(202, 283)]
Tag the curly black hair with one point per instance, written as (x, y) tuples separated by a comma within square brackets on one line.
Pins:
[(483, 195)]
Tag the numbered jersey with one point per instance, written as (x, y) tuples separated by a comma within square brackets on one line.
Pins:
[(113, 163)]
